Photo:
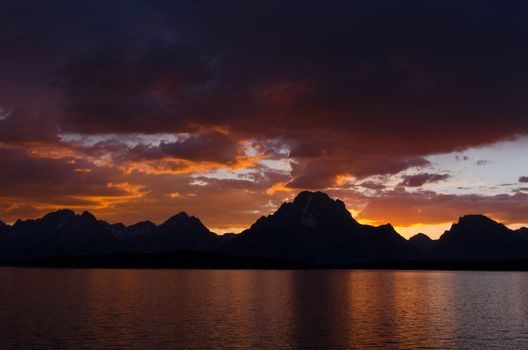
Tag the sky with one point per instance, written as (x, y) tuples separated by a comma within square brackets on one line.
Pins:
[(413, 113)]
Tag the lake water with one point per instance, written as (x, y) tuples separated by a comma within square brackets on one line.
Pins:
[(222, 309)]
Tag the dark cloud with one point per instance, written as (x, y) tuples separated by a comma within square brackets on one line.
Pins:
[(313, 173), (371, 185), (421, 179), (340, 80), (38, 40), (523, 179), (114, 92), (417, 75), (210, 146), (352, 88)]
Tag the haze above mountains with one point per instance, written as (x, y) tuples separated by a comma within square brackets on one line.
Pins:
[(313, 229)]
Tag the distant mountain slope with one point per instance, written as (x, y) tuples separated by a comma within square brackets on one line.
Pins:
[(180, 232), (65, 233), (58, 233), (140, 228)]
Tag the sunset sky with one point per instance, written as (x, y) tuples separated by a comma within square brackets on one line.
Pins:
[(411, 112)]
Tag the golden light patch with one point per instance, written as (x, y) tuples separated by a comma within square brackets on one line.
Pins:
[(229, 229), (175, 166), (43, 150), (354, 212), (364, 221), (432, 230), (101, 202), (278, 187), (341, 180), (82, 170)]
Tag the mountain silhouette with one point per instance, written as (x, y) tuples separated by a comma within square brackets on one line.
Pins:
[(422, 242), (477, 237), (65, 233), (58, 233), (318, 230), (314, 229), (180, 232), (140, 228), (523, 231)]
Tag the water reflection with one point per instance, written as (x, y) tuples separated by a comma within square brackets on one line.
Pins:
[(168, 309)]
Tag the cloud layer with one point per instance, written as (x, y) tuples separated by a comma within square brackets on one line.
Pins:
[(231, 107)]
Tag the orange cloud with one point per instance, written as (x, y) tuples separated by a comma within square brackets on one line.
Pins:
[(131, 192), (278, 187)]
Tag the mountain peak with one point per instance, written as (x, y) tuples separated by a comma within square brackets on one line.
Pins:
[(308, 210), (477, 237), (421, 241), (316, 198), (317, 228), (145, 223), (420, 237), (88, 216), (61, 214), (182, 218), (477, 222), (142, 227), (475, 219), (316, 205), (303, 195), (181, 214), (387, 227)]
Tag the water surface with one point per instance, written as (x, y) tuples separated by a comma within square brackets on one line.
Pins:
[(211, 309)]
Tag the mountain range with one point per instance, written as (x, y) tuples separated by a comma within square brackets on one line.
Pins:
[(314, 229)]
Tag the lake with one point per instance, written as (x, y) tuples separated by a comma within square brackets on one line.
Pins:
[(248, 309)]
